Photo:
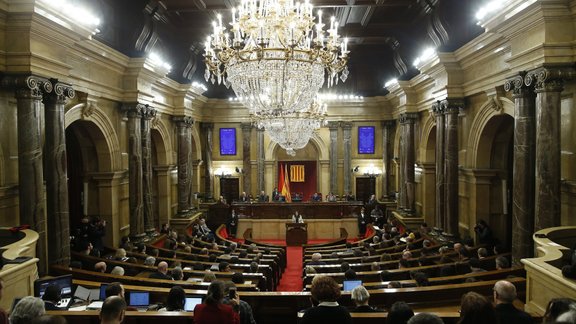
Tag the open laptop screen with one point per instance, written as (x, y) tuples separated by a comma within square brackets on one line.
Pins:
[(351, 284), (191, 302), (139, 298), (103, 291)]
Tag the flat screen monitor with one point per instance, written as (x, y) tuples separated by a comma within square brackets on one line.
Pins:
[(63, 282), (366, 139), (191, 302), (351, 284), (227, 141), (139, 298), (103, 291)]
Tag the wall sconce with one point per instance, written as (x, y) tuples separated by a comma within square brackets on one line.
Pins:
[(356, 168), (239, 170), (372, 171)]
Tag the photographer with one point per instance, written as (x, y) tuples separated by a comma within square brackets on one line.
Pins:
[(484, 233)]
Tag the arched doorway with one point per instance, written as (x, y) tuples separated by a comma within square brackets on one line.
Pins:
[(305, 159), (496, 153)]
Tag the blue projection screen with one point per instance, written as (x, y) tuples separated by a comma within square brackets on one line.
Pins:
[(227, 141), (366, 140)]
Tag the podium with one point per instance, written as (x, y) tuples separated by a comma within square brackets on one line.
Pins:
[(296, 234)]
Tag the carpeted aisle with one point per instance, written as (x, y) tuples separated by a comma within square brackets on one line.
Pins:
[(292, 277)]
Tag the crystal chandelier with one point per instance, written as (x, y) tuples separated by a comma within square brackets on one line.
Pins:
[(292, 131), (276, 56)]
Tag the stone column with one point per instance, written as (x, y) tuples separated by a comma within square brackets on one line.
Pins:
[(184, 129), (438, 111), (260, 145), (134, 114), (246, 160), (548, 84), (401, 170), (58, 227), (29, 90), (147, 114), (333, 127), (347, 135), (207, 129), (451, 109), (386, 140), (408, 120), (524, 160)]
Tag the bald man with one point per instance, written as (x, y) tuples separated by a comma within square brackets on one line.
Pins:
[(113, 310), (504, 296), (162, 272)]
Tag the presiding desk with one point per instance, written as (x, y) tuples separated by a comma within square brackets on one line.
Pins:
[(296, 234), (268, 219)]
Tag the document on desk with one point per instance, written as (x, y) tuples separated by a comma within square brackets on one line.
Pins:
[(95, 305), (77, 308)]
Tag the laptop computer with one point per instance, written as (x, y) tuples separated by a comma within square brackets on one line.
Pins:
[(191, 302), (103, 291), (139, 300), (351, 284)]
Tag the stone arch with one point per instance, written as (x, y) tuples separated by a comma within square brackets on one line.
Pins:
[(162, 141), (478, 138), (107, 145), (428, 140)]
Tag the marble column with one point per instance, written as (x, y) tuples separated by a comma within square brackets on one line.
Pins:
[(524, 160), (347, 165), (408, 119), (148, 202), (261, 171), (386, 141), (548, 84), (134, 114), (56, 172), (246, 161), (184, 152), (207, 129), (401, 170), (438, 112), (29, 92), (333, 127), (451, 109)]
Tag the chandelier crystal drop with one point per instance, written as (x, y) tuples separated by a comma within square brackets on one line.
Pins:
[(293, 131), (276, 56)]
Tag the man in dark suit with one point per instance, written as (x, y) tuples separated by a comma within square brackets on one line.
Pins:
[(162, 272), (275, 195), (263, 197), (504, 296), (243, 197)]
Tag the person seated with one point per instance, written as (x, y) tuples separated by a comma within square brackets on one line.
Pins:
[(330, 197), (475, 308), (360, 297), (275, 195), (212, 310), (377, 216), (399, 313), (296, 196), (504, 296), (162, 272), (263, 197), (425, 318), (113, 310), (475, 265), (243, 197), (117, 270), (120, 255), (177, 273), (372, 201), (348, 197), (224, 267), (316, 197), (246, 314), (326, 291), (27, 309), (175, 300), (100, 267), (502, 263), (222, 200), (297, 218), (316, 260)]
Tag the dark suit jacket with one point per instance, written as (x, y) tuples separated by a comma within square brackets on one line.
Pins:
[(160, 275), (507, 313)]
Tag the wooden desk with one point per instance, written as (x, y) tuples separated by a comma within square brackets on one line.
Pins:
[(296, 234)]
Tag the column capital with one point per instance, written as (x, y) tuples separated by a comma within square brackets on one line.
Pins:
[(549, 78), (437, 109), (133, 109), (408, 118), (61, 93), (148, 112), (452, 105), (27, 86), (183, 121), (517, 85), (346, 125), (333, 125), (388, 123)]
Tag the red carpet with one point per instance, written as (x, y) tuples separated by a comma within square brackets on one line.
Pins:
[(292, 277)]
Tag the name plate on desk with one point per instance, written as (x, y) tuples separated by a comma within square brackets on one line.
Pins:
[(296, 234)]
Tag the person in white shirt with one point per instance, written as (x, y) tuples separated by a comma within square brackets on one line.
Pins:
[(297, 218)]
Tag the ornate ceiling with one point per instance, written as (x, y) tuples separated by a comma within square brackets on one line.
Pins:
[(386, 36)]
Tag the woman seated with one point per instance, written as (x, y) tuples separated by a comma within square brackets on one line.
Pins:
[(360, 296), (175, 301), (326, 291), (213, 311)]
